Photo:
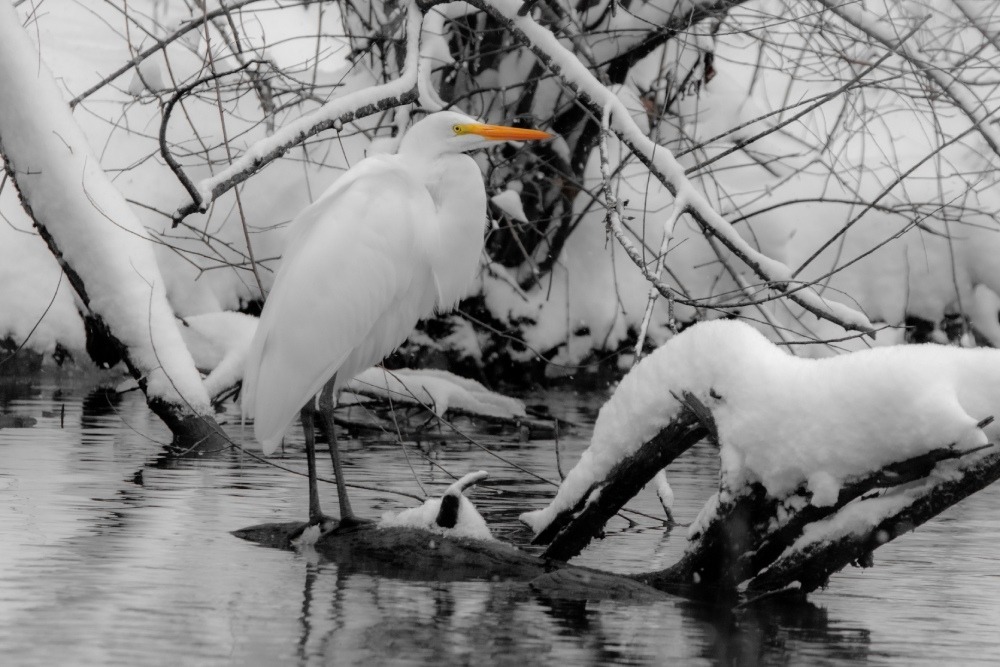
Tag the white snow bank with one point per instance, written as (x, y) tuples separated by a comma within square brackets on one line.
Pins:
[(437, 389), (786, 421), (469, 522)]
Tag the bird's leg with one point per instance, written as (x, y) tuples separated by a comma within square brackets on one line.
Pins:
[(316, 516), (326, 405)]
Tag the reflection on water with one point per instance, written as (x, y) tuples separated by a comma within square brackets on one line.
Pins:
[(115, 553)]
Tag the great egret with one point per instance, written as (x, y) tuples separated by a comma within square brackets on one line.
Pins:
[(393, 239)]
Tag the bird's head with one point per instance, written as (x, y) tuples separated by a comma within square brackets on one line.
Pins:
[(452, 132)]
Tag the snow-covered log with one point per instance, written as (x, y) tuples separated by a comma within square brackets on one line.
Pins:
[(102, 248), (755, 533), (822, 460)]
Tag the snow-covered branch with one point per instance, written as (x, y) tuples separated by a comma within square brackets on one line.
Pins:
[(335, 114), (661, 162)]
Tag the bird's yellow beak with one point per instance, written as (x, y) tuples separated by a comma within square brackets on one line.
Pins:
[(501, 132)]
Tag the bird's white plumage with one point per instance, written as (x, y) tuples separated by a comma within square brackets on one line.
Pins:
[(392, 239)]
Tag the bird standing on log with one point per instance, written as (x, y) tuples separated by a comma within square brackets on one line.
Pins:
[(392, 240)]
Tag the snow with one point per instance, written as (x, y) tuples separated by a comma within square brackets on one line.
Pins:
[(509, 201), (595, 296), (470, 523), (664, 491), (786, 421), (667, 168), (953, 87), (26, 310)]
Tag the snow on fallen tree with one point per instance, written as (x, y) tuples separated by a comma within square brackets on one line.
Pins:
[(822, 460)]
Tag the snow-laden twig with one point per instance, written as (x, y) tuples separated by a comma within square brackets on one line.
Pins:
[(332, 115), (661, 162), (960, 94)]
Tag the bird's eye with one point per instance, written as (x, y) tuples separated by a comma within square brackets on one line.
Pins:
[(457, 129)]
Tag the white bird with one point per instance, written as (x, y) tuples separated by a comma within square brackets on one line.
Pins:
[(393, 239)]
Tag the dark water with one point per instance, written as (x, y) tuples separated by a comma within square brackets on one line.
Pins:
[(113, 553)]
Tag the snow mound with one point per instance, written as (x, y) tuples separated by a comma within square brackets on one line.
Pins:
[(465, 519), (437, 389), (787, 422)]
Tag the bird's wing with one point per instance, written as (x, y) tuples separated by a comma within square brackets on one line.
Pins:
[(353, 282)]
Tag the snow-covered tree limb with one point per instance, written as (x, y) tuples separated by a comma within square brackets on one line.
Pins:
[(90, 228)]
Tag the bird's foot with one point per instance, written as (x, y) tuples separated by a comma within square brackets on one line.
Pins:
[(349, 524)]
